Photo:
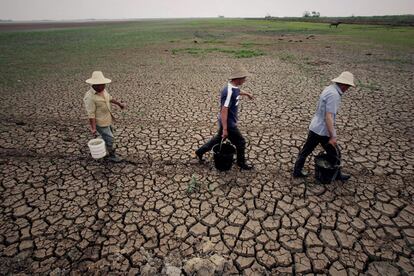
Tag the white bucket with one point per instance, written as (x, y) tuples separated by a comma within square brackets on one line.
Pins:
[(97, 148)]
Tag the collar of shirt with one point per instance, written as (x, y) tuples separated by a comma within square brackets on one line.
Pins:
[(92, 93), (231, 86), (96, 93), (338, 89)]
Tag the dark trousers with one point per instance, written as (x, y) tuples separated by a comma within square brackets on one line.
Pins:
[(311, 143), (235, 137)]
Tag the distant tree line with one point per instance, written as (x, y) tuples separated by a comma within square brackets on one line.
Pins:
[(390, 20), (311, 14)]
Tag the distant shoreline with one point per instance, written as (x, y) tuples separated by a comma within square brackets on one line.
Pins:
[(50, 24), (392, 20), (9, 25)]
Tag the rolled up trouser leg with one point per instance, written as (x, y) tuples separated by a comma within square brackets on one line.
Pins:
[(107, 136)]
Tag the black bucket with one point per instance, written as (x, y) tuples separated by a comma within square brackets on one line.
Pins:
[(326, 168), (223, 156)]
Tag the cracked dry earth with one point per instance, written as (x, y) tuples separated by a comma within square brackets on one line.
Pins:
[(65, 213)]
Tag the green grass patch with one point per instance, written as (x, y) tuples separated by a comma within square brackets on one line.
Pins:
[(247, 53), (390, 20), (399, 38), (237, 53), (286, 57), (399, 61), (214, 41), (370, 86), (33, 55), (252, 44)]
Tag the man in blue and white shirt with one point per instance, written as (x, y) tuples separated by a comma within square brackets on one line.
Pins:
[(322, 127), (229, 101)]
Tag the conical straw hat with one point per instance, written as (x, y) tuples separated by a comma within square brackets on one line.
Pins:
[(98, 78), (345, 78)]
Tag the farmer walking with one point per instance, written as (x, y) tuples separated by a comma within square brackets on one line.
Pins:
[(227, 118), (322, 127), (98, 106)]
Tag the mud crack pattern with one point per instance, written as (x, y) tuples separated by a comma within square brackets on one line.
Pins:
[(62, 212)]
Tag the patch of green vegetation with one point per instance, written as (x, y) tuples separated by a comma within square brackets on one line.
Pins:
[(251, 44), (381, 35), (61, 53), (370, 86), (193, 51), (30, 55), (211, 35), (247, 53), (237, 53), (391, 20), (193, 185), (397, 61), (303, 63), (286, 57), (214, 41), (399, 38)]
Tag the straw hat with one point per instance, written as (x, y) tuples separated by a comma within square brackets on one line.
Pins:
[(98, 78), (345, 78), (239, 72)]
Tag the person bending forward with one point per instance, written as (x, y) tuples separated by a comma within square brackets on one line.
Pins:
[(322, 127)]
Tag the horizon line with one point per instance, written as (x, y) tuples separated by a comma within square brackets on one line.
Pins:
[(169, 18)]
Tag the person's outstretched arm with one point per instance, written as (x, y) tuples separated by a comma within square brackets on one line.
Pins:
[(248, 95), (121, 105)]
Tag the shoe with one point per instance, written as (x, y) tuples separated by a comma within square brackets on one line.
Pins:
[(301, 173), (114, 159), (199, 156), (343, 177), (245, 167)]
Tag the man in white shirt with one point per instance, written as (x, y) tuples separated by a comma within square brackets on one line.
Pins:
[(322, 127)]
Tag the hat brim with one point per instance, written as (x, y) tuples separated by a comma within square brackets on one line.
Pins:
[(239, 76), (343, 81), (98, 81)]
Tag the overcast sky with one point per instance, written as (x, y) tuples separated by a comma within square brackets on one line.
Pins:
[(122, 9)]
